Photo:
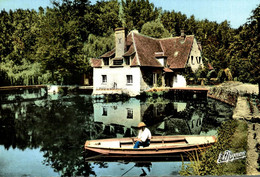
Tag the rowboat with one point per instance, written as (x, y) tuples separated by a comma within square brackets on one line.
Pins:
[(160, 146)]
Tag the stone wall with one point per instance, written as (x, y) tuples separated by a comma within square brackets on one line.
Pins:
[(224, 94)]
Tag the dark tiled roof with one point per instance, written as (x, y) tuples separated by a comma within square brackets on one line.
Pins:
[(146, 49), (135, 62), (128, 43), (167, 70), (108, 54), (130, 51), (160, 55), (177, 50), (95, 63)]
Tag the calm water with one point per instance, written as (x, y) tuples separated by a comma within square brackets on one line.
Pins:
[(45, 137)]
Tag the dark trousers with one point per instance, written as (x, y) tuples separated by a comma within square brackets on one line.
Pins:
[(144, 144)]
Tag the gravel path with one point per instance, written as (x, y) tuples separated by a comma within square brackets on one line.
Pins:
[(253, 139), (242, 111)]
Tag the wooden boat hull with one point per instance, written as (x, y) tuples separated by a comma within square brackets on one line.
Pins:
[(160, 146)]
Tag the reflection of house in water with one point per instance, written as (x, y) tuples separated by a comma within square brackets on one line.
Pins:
[(172, 126), (195, 123), (160, 108), (119, 119), (127, 113), (178, 118)]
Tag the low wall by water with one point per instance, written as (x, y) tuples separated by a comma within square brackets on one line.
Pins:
[(229, 92), (22, 93), (224, 95)]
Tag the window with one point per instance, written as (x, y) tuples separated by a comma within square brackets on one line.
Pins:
[(199, 59), (127, 61), (175, 79), (104, 111), (129, 79), (118, 62), (192, 62), (104, 79), (106, 61), (155, 79), (129, 113)]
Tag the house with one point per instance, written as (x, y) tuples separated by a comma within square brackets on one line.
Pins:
[(138, 63)]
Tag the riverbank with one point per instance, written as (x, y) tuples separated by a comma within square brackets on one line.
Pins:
[(231, 140), (246, 107), (246, 115)]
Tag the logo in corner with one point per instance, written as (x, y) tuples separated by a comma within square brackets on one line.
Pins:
[(228, 156)]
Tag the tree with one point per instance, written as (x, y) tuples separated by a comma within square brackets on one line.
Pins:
[(173, 22), (137, 12), (155, 29), (103, 17), (98, 45), (17, 51), (59, 46), (244, 51)]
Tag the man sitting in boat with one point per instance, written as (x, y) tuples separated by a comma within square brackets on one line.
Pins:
[(144, 136)]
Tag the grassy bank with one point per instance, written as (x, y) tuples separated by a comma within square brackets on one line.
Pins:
[(232, 135)]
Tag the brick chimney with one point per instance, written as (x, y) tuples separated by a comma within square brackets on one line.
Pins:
[(120, 42)]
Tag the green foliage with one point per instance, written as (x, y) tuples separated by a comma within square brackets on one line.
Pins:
[(159, 80), (225, 75), (201, 72), (231, 136), (155, 29), (26, 73), (137, 12), (190, 75), (59, 47), (174, 22), (60, 39), (98, 45), (102, 17)]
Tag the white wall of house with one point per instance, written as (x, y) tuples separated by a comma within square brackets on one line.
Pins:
[(195, 59), (179, 81), (117, 80)]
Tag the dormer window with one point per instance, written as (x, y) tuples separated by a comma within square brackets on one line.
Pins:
[(117, 62), (127, 60), (106, 61), (162, 61), (161, 58)]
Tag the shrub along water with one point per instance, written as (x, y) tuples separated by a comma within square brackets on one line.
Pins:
[(232, 135)]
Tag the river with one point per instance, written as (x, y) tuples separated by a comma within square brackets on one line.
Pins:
[(45, 137)]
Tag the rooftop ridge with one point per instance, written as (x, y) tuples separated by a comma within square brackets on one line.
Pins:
[(137, 57), (172, 37)]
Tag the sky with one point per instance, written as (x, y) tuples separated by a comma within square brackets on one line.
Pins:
[(235, 12)]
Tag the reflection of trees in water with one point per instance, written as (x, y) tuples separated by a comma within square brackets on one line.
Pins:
[(197, 116), (59, 127)]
